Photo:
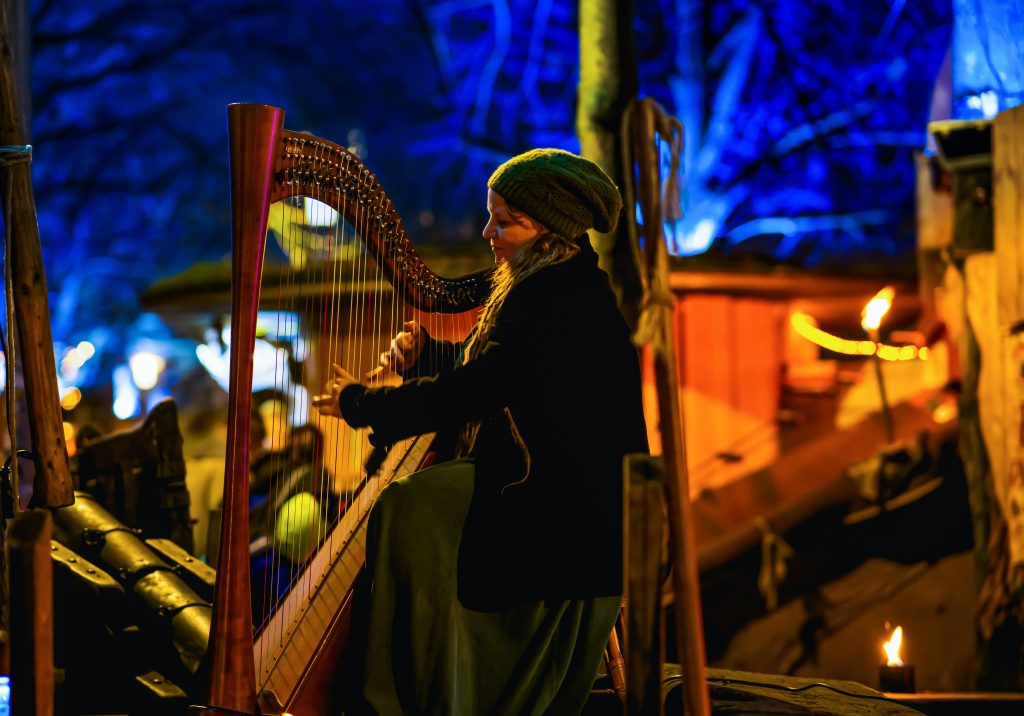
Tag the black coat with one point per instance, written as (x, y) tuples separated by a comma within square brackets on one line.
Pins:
[(545, 522)]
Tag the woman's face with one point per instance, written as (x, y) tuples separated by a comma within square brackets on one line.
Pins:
[(508, 232)]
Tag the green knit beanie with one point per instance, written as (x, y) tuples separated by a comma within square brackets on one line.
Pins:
[(565, 192)]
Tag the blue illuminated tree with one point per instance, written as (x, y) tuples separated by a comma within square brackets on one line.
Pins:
[(801, 121), (800, 116)]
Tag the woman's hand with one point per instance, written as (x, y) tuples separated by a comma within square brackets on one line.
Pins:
[(404, 351), (327, 404)]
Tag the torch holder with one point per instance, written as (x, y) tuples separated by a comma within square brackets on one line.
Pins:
[(898, 679)]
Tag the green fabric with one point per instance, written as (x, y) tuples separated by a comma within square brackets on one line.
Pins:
[(565, 192), (427, 654)]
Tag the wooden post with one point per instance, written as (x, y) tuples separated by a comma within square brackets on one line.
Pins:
[(53, 486), (685, 577), (1008, 210), (644, 527), (998, 322), (31, 614)]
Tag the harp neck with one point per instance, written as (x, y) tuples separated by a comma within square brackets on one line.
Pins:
[(307, 165)]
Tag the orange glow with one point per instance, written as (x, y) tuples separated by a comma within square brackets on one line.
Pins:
[(892, 648), (69, 438), (945, 412), (807, 327), (875, 310)]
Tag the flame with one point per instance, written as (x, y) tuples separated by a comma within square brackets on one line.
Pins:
[(892, 648), (876, 308)]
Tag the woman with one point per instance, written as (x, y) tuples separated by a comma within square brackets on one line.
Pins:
[(540, 404)]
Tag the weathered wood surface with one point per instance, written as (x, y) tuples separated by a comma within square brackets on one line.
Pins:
[(742, 692), (52, 486), (994, 450), (934, 208), (1006, 390), (1008, 209), (838, 628), (995, 401), (645, 556), (995, 308), (31, 614)]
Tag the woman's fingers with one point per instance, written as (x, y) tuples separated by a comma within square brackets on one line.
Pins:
[(341, 379), (402, 352), (342, 374), (327, 403)]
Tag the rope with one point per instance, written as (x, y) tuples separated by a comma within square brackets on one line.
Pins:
[(653, 264), (10, 156), (15, 154), (775, 552)]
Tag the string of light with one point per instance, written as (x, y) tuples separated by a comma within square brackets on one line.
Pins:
[(807, 327)]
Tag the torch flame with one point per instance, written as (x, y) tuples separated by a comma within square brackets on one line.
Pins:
[(876, 308), (892, 648)]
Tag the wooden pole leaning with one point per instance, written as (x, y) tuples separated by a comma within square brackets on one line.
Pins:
[(661, 318), (52, 486)]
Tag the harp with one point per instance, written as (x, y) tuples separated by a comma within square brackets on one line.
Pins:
[(359, 279)]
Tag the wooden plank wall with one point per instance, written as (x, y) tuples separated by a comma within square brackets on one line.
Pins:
[(1008, 199), (1003, 388), (994, 301), (934, 215), (730, 352)]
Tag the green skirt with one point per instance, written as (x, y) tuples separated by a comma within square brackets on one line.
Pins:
[(415, 649)]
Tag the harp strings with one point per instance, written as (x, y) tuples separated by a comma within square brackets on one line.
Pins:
[(329, 331), (318, 487), (315, 465), (302, 495)]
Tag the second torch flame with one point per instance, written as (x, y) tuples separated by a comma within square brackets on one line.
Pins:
[(876, 308)]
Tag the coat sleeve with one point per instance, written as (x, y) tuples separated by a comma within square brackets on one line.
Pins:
[(426, 404), (506, 367), (435, 358)]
